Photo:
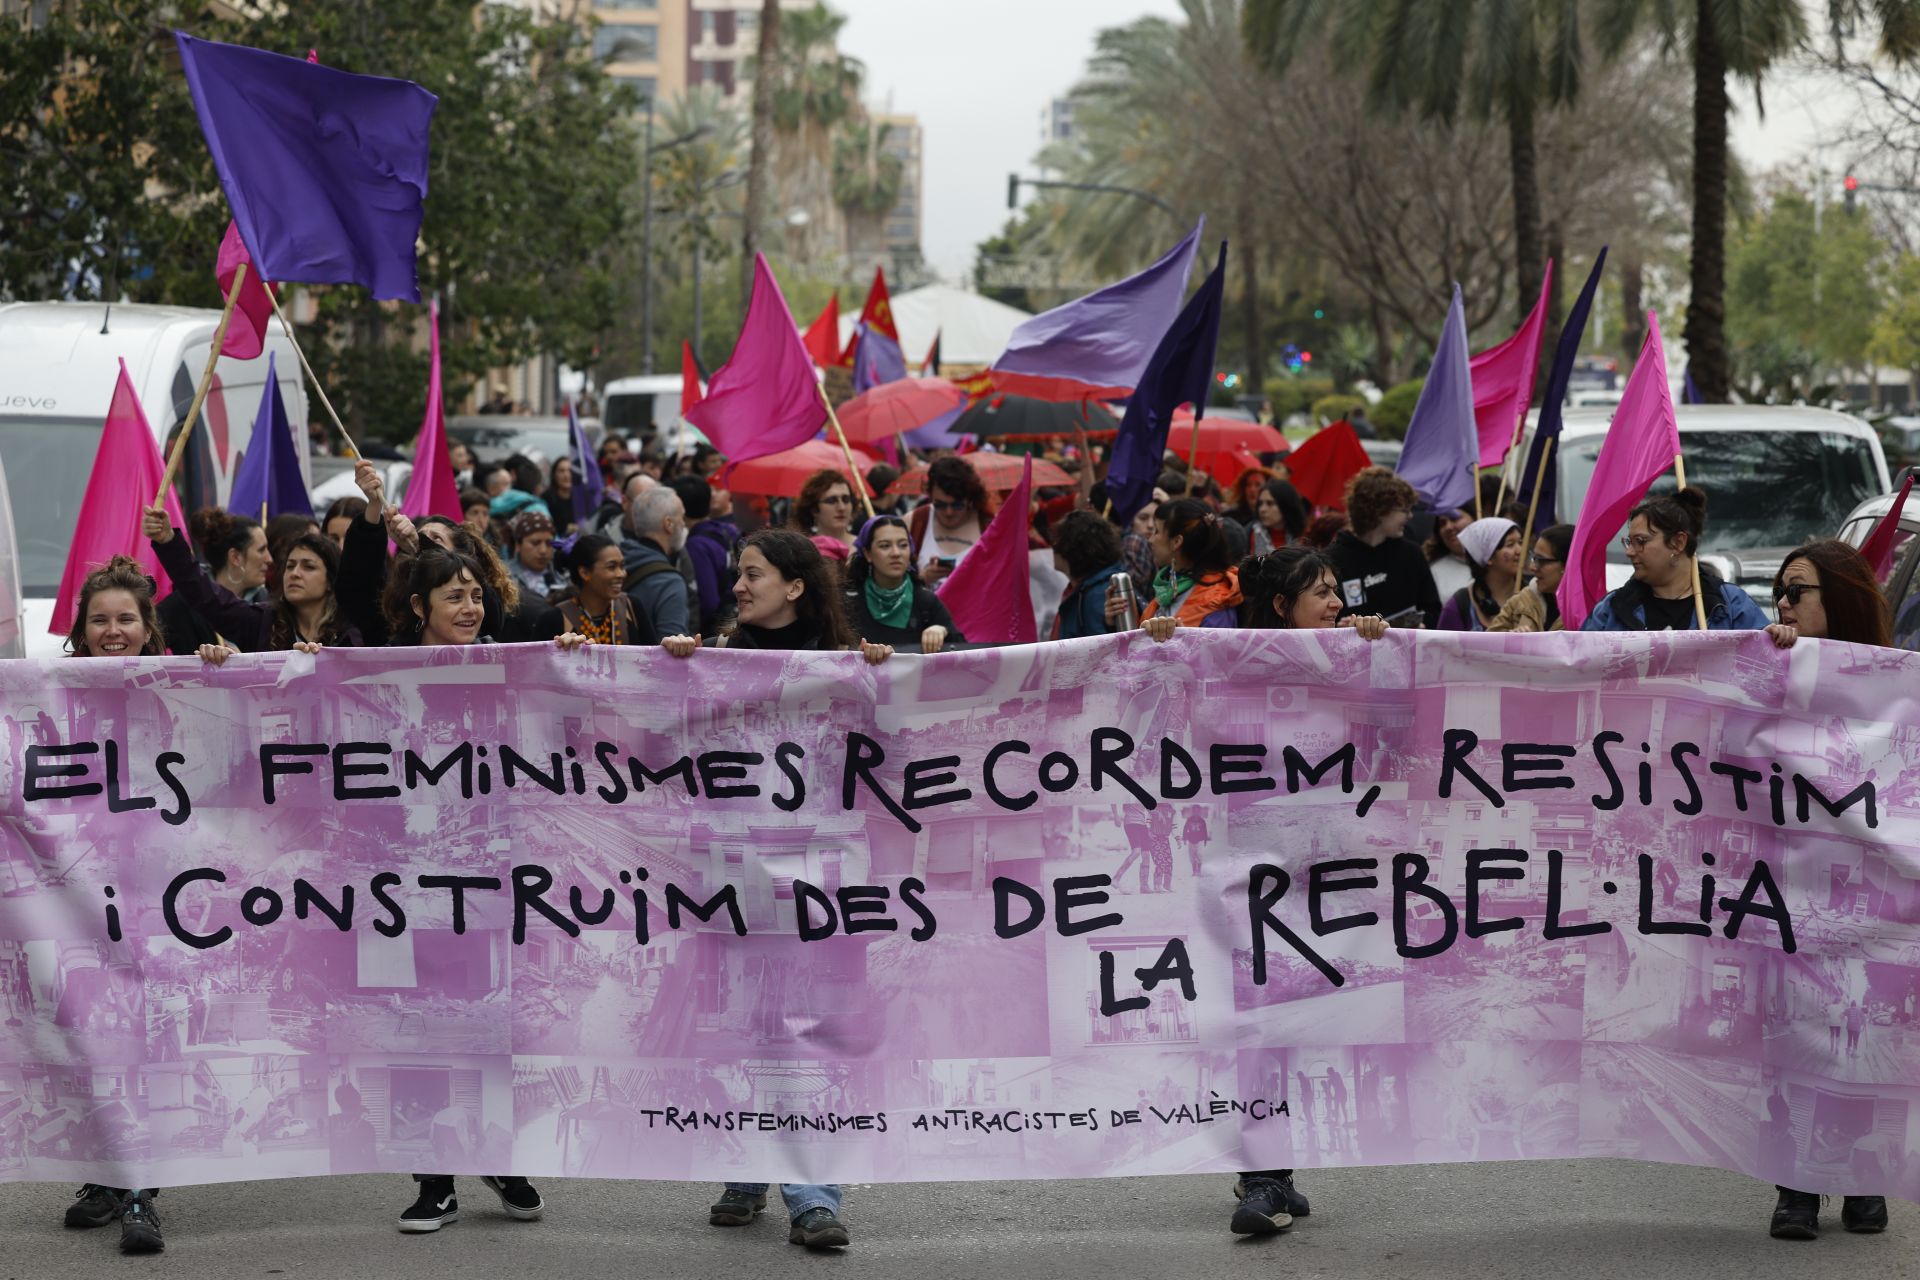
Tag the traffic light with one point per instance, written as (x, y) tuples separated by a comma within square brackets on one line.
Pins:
[(1013, 191), (1306, 357), (1852, 184), (1319, 313)]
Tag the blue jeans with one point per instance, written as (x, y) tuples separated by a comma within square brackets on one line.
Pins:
[(799, 1198)]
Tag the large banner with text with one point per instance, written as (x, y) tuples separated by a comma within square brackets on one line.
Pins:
[(1240, 901)]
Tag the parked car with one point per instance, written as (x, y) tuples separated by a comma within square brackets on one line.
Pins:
[(495, 437), (1775, 476), (644, 406), (333, 478), (1902, 582)]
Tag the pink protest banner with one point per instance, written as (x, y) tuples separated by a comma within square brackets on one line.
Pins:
[(1243, 900)]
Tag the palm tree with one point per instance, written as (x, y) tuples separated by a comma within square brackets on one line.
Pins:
[(815, 90), (866, 185), (760, 158), (1501, 59), (1744, 38), (697, 181)]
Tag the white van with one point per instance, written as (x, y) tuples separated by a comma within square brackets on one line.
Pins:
[(59, 363), (646, 407), (1774, 475)]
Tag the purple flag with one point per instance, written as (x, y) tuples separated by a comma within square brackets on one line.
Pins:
[(326, 171), (1441, 458), (766, 397), (1553, 402), (877, 358), (1179, 373), (586, 472), (1098, 346), (269, 474)]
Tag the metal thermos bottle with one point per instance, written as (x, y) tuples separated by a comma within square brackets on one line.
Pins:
[(1121, 584)]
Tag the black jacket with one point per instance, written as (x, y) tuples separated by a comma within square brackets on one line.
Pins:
[(1386, 580), (927, 611)]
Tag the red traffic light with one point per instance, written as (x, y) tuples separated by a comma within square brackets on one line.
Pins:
[(1853, 183), (1306, 357)]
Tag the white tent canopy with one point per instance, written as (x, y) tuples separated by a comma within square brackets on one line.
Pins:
[(972, 329)]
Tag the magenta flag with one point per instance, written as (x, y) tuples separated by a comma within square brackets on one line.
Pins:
[(432, 490), (1640, 445), (766, 397), (126, 473), (987, 593), (1878, 548), (1503, 381), (247, 332)]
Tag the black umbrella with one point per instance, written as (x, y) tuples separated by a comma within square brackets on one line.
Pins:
[(1005, 415)]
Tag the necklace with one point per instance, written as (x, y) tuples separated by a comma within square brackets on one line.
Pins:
[(600, 630)]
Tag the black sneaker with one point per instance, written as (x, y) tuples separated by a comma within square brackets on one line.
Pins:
[(1862, 1214), (517, 1197), (95, 1205), (435, 1208), (736, 1208), (1796, 1215), (818, 1229), (1296, 1204), (1262, 1209), (140, 1224)]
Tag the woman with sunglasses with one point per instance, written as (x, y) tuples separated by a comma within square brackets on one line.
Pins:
[(824, 512), (1662, 542), (948, 524), (1535, 607), (1826, 590)]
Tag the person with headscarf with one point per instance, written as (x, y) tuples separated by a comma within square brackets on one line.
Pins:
[(885, 603), (1493, 554), (532, 534), (1535, 607)]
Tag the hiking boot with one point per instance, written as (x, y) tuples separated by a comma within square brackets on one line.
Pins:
[(818, 1229), (95, 1205), (140, 1224), (435, 1208), (1262, 1209), (517, 1197), (1296, 1204), (1864, 1214), (736, 1208), (1796, 1216)]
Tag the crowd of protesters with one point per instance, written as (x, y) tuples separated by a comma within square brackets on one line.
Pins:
[(667, 556)]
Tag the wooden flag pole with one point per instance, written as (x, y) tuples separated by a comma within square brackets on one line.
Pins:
[(1533, 503), (311, 377), (1473, 470), (200, 392), (1507, 464), (846, 450), (1693, 553)]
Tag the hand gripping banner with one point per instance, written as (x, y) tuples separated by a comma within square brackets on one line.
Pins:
[(1240, 901)]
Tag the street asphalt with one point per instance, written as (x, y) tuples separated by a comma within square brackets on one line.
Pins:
[(1541, 1221)]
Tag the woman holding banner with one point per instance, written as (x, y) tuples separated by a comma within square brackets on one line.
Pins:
[(787, 601), (305, 612), (883, 598), (1194, 581), (1826, 590), (1662, 542), (1493, 561), (438, 599)]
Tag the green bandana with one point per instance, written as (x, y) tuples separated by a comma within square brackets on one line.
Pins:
[(1169, 585), (889, 608)]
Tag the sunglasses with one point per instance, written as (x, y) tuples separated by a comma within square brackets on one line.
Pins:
[(942, 504), (837, 499), (1792, 592), (1540, 561)]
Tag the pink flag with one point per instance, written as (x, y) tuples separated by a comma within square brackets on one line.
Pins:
[(987, 593), (126, 474), (1878, 548), (247, 332), (766, 397), (1503, 381), (432, 491), (1640, 445)]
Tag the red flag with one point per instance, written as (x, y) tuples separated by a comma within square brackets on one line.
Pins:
[(1322, 465), (877, 315), (1503, 381), (932, 363), (690, 389), (988, 593), (823, 338), (766, 398), (1641, 443), (432, 490), (1878, 548), (126, 474), (247, 331)]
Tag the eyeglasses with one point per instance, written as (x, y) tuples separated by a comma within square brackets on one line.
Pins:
[(1636, 541), (1539, 561), (1792, 592), (946, 504), (838, 499)]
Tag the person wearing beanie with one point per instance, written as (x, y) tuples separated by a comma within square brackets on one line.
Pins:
[(531, 534), (1492, 547)]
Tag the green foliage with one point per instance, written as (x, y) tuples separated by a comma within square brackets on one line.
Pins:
[(1896, 332), (533, 150), (1333, 408), (1395, 409), (865, 178), (1294, 393), (1799, 300)]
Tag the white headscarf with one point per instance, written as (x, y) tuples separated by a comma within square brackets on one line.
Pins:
[(1483, 537)]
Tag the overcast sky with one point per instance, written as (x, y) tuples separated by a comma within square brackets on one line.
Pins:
[(978, 75)]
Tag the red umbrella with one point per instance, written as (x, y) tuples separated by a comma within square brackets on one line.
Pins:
[(1221, 440), (1000, 472), (892, 408), (780, 475)]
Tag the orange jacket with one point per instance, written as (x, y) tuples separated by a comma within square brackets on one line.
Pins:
[(1209, 596)]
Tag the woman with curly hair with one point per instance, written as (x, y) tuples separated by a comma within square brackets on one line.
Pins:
[(824, 512), (948, 524), (1380, 571)]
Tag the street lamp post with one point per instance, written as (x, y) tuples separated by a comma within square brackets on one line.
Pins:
[(1015, 181), (646, 228)]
